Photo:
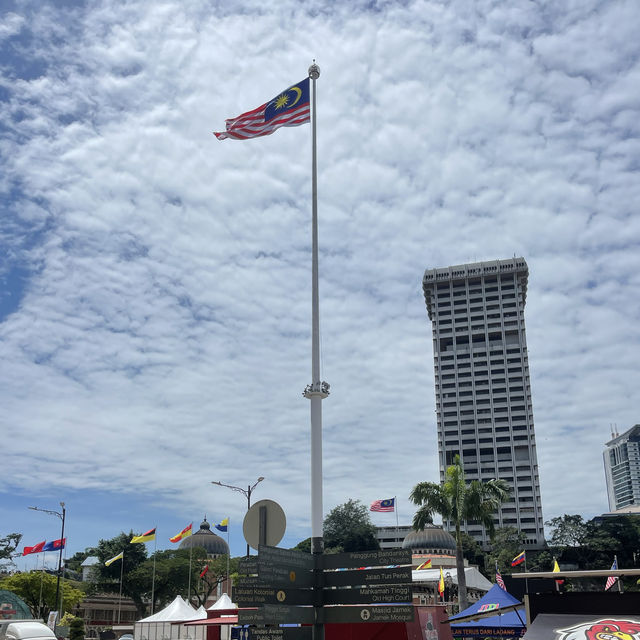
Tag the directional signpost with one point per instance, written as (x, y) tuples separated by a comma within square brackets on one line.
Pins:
[(399, 613), (278, 633), (277, 614), (287, 590), (396, 575), (379, 594), (356, 559)]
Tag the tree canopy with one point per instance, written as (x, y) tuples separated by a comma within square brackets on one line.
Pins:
[(30, 585), (8, 546), (567, 530), (457, 501), (348, 527)]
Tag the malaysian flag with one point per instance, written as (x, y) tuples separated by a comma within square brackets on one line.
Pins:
[(290, 108), (611, 580), (383, 505), (499, 580)]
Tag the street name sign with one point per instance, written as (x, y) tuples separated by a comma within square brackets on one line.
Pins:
[(356, 559), (395, 575), (288, 557), (378, 594), (285, 567), (248, 565), (280, 576), (256, 596), (387, 613), (278, 633), (277, 614)]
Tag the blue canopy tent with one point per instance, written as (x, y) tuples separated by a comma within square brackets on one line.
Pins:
[(510, 624)]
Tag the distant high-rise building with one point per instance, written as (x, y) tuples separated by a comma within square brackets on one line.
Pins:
[(622, 469), (483, 391)]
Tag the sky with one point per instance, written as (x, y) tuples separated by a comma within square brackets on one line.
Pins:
[(155, 301)]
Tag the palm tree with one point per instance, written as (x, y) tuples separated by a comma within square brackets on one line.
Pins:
[(458, 501)]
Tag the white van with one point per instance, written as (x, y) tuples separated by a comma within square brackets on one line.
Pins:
[(27, 630)]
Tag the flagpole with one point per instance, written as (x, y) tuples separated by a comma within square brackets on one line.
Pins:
[(120, 596), (395, 504), (228, 559), (189, 586), (153, 578), (317, 390)]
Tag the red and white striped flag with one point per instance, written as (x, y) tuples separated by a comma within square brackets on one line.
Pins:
[(499, 580), (290, 108), (383, 505), (611, 580)]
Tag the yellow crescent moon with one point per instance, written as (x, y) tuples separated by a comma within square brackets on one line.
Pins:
[(298, 94)]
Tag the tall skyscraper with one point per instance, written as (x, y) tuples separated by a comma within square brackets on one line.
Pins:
[(483, 392), (622, 469)]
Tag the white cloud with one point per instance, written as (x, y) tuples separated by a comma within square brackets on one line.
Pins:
[(166, 317)]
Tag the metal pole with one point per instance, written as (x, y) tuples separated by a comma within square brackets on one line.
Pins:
[(62, 545), (317, 390), (248, 507), (120, 594)]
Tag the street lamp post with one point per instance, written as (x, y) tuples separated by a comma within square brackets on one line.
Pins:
[(246, 492), (62, 518)]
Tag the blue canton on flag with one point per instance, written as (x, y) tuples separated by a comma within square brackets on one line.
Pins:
[(383, 505)]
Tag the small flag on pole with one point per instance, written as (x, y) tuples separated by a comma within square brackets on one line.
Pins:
[(499, 580), (425, 565), (186, 532), (611, 580), (55, 545), (145, 537), (383, 505), (224, 524), (204, 570), (290, 108), (441, 584), (109, 562), (37, 548), (556, 569), (519, 559)]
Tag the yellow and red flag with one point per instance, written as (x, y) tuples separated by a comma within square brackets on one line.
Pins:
[(185, 533), (145, 537), (425, 565), (441, 584)]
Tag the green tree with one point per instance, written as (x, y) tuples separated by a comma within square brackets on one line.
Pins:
[(348, 527), (76, 629), (31, 584), (506, 544), (567, 530), (107, 579), (8, 547), (457, 501), (304, 545)]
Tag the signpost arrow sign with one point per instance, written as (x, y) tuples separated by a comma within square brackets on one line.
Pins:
[(378, 594), (356, 559), (388, 613), (277, 614), (278, 633), (256, 596), (395, 575)]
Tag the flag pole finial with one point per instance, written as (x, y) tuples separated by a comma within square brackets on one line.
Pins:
[(314, 71)]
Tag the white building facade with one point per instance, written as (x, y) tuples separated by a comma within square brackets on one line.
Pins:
[(622, 469), (483, 392)]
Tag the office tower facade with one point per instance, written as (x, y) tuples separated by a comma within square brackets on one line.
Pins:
[(622, 469), (483, 391)]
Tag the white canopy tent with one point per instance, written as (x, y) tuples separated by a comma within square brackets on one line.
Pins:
[(162, 625), (475, 580)]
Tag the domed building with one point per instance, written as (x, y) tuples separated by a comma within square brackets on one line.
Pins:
[(431, 540), (213, 544)]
